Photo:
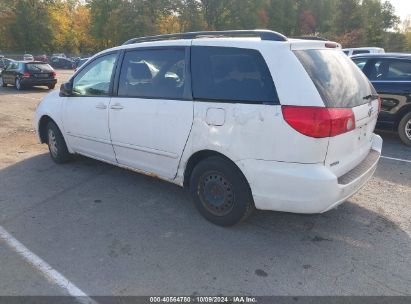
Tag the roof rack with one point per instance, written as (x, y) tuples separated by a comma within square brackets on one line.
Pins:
[(263, 34)]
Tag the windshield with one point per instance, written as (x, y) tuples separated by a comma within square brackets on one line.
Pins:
[(339, 81)]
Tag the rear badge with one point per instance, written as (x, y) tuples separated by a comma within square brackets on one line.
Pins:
[(335, 164)]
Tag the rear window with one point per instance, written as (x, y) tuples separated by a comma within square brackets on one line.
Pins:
[(360, 52), (339, 81), (227, 74), (38, 67)]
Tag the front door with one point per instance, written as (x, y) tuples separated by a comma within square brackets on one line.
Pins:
[(151, 117), (85, 115)]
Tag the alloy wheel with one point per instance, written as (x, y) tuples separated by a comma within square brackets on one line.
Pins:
[(408, 129), (52, 141)]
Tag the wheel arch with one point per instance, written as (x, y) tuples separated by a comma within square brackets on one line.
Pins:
[(199, 156), (43, 122)]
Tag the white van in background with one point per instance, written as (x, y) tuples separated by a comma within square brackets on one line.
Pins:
[(363, 50)]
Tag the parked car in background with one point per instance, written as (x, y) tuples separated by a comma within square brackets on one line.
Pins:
[(62, 63), (28, 57), (4, 62), (59, 55), (42, 58), (80, 62), (22, 74), (363, 50), (391, 76), (222, 116)]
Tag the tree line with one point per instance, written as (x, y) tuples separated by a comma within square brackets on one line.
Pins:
[(86, 26)]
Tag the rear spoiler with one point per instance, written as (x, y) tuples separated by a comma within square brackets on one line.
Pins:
[(304, 44)]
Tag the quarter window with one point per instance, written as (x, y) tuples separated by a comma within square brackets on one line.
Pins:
[(153, 74), (231, 74), (95, 78)]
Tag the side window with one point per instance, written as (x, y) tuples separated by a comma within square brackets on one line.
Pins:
[(153, 74), (360, 63), (373, 69), (95, 78), (399, 70), (231, 74), (360, 52)]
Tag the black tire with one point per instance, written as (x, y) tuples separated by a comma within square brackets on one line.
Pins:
[(404, 129), (221, 192), (57, 145), (3, 84), (51, 86), (19, 86)]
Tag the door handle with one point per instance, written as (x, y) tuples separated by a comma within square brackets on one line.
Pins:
[(116, 106), (101, 106)]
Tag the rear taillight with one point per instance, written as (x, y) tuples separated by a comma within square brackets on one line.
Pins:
[(53, 75), (379, 104), (26, 75), (319, 122)]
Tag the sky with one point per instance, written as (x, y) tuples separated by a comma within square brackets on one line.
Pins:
[(402, 7)]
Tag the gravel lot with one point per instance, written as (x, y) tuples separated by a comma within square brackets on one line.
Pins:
[(114, 232)]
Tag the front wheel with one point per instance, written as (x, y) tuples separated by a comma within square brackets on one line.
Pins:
[(2, 83), (220, 192), (57, 145), (404, 129)]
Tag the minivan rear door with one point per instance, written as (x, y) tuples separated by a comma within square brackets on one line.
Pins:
[(341, 84)]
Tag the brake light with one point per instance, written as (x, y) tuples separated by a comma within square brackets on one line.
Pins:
[(379, 104), (319, 122), (331, 45), (26, 75), (53, 75)]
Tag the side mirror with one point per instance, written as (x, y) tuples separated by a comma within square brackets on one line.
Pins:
[(66, 89)]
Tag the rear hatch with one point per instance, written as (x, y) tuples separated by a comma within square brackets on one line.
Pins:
[(40, 70), (343, 87)]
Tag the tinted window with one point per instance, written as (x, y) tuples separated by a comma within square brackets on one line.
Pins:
[(360, 63), (339, 82), (38, 67), (360, 52), (231, 74), (346, 52), (388, 69), (95, 78), (153, 74)]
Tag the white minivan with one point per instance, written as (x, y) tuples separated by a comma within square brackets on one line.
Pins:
[(243, 119)]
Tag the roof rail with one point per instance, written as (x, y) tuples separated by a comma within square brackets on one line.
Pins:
[(263, 34), (311, 38)]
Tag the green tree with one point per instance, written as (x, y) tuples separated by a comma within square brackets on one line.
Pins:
[(31, 29)]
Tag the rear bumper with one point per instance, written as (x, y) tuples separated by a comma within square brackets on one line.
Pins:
[(37, 81), (306, 188)]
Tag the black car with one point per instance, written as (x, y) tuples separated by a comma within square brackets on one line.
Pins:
[(27, 74), (391, 76), (62, 63)]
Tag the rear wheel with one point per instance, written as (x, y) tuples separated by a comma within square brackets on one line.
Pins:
[(2, 83), (51, 86), (404, 129), (221, 192), (57, 145)]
